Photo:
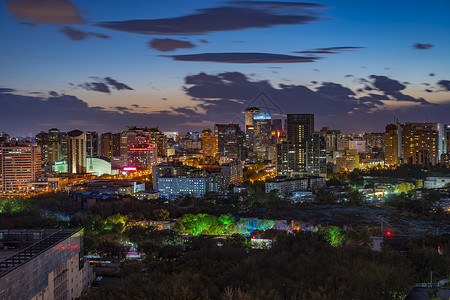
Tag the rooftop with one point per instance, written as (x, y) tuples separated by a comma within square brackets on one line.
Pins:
[(22, 256)]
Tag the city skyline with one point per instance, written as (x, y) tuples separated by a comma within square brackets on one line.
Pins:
[(186, 66)]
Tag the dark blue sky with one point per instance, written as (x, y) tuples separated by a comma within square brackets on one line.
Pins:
[(102, 65)]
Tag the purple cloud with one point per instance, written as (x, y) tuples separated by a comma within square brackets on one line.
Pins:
[(46, 11), (420, 46), (225, 18), (166, 45)]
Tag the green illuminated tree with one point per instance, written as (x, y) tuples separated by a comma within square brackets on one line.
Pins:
[(334, 236)]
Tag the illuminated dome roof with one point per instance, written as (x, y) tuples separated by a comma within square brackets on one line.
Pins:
[(262, 116)]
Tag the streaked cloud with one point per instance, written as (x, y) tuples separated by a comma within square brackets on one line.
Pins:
[(244, 58), (421, 46), (78, 35)]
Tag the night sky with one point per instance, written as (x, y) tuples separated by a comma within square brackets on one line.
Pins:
[(184, 65)]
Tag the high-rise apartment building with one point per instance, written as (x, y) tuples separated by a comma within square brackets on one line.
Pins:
[(300, 128), (423, 143), (286, 159), (76, 146), (20, 164), (393, 144), (317, 155), (331, 138), (110, 145)]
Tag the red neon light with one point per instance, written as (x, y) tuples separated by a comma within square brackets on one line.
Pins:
[(388, 233), (129, 168)]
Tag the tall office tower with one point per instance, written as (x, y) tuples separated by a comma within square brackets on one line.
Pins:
[(64, 147), (423, 143), (393, 144), (92, 144), (50, 146), (263, 134), (76, 145), (250, 112), (300, 128), (286, 160), (142, 156), (106, 145), (230, 141), (20, 164), (54, 139), (123, 145), (317, 155), (277, 125), (110, 145), (209, 143), (42, 141)]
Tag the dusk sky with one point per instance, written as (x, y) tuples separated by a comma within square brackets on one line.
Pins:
[(185, 65)]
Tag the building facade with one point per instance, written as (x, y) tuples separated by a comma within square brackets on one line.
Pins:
[(76, 146), (393, 144), (209, 143), (50, 267), (20, 164)]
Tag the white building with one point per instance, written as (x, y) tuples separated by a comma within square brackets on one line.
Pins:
[(436, 182)]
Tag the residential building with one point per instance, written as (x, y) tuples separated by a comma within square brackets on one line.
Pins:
[(393, 153), (423, 143)]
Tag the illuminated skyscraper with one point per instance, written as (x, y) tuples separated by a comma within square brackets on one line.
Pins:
[(209, 143), (110, 145), (76, 145), (263, 136), (393, 144), (250, 112), (300, 128), (92, 144)]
